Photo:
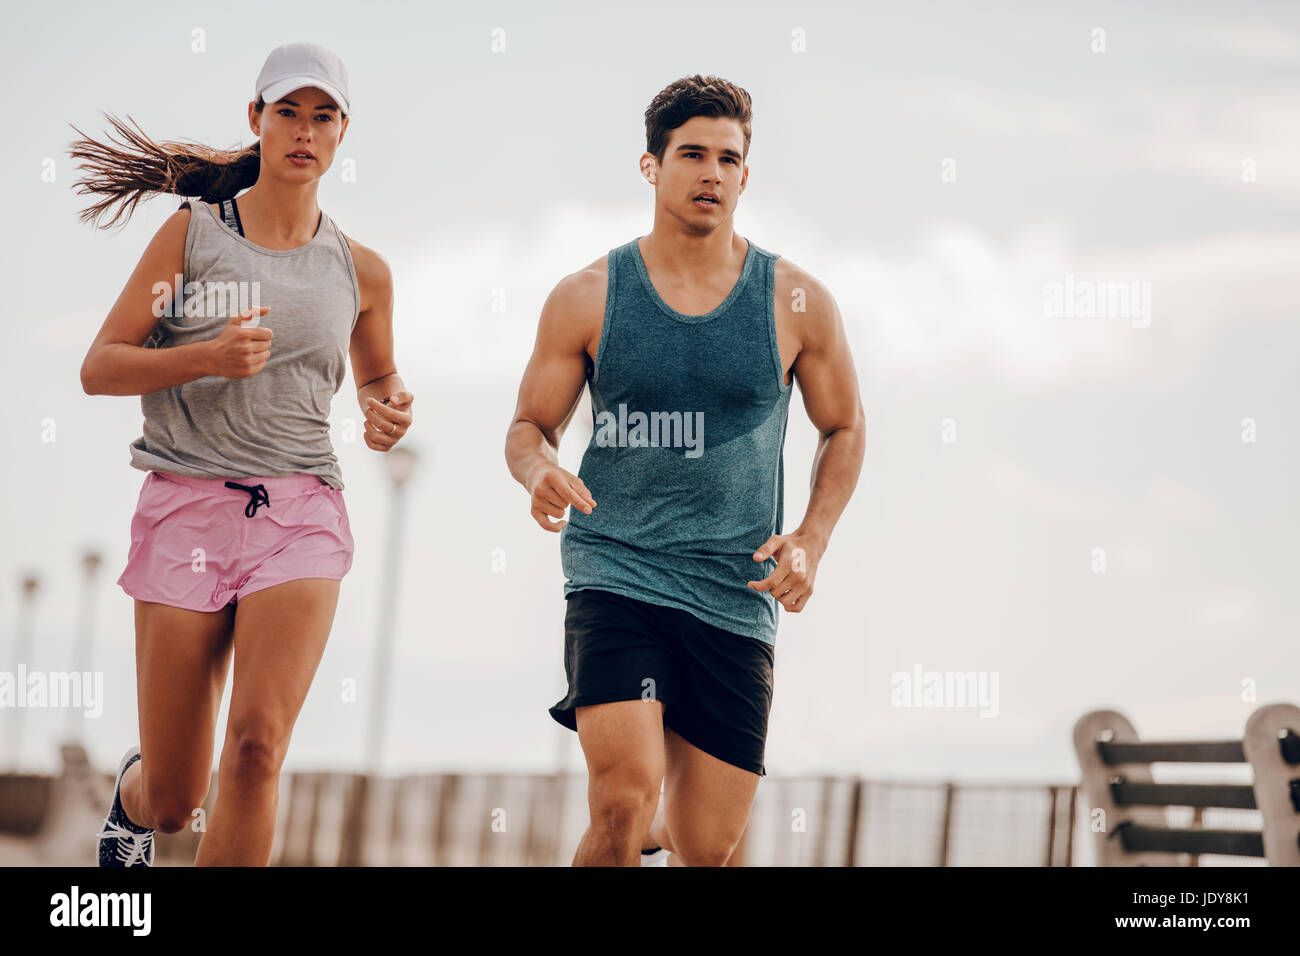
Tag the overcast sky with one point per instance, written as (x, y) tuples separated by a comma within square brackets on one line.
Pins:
[(939, 168)]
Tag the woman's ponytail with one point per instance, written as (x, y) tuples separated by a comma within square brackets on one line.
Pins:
[(134, 167)]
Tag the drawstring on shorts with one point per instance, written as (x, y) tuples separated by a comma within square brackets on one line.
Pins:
[(256, 496)]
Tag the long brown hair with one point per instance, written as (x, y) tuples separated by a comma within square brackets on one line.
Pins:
[(136, 168)]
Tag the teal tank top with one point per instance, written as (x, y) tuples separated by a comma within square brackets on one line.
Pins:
[(685, 459)]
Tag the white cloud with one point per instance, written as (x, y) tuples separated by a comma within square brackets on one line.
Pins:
[(952, 297), (1228, 611), (1250, 41), (1182, 504)]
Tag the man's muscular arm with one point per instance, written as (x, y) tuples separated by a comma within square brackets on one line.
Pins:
[(548, 396), (829, 384)]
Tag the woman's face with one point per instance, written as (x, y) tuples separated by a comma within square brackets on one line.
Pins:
[(299, 133)]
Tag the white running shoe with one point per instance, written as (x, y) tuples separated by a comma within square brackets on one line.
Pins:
[(656, 857)]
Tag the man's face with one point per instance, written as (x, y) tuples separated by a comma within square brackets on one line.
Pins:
[(704, 158), (304, 123)]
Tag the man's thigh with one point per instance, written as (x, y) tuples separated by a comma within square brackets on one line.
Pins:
[(706, 801), (624, 737)]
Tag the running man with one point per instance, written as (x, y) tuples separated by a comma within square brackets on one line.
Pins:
[(688, 340), (240, 536)]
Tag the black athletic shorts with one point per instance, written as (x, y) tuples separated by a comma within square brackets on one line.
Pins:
[(716, 686)]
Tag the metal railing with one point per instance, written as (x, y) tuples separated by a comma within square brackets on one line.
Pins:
[(331, 819), (536, 820)]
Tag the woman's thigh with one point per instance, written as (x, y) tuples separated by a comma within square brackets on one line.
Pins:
[(182, 659), (279, 638)]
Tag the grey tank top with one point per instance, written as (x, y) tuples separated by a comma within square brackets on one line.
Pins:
[(685, 458), (277, 421)]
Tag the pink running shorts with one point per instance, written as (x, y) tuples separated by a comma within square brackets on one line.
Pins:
[(203, 543)]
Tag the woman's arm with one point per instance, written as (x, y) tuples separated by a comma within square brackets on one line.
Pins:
[(381, 393), (117, 362)]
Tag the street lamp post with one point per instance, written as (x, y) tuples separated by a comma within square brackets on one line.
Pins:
[(401, 462), (31, 585), (84, 639)]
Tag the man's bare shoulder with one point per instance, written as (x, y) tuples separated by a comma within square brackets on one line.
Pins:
[(798, 291), (584, 290), (575, 310)]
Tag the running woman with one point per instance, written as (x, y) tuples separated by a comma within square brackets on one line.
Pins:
[(676, 561), (240, 536)]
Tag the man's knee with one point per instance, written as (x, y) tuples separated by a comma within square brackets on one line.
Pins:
[(705, 849), (704, 836), (623, 800)]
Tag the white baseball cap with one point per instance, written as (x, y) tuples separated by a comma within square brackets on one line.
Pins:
[(295, 65)]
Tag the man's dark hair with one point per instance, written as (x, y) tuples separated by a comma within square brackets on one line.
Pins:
[(694, 96)]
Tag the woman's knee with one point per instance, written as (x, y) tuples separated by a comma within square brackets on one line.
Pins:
[(255, 750), (170, 801)]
